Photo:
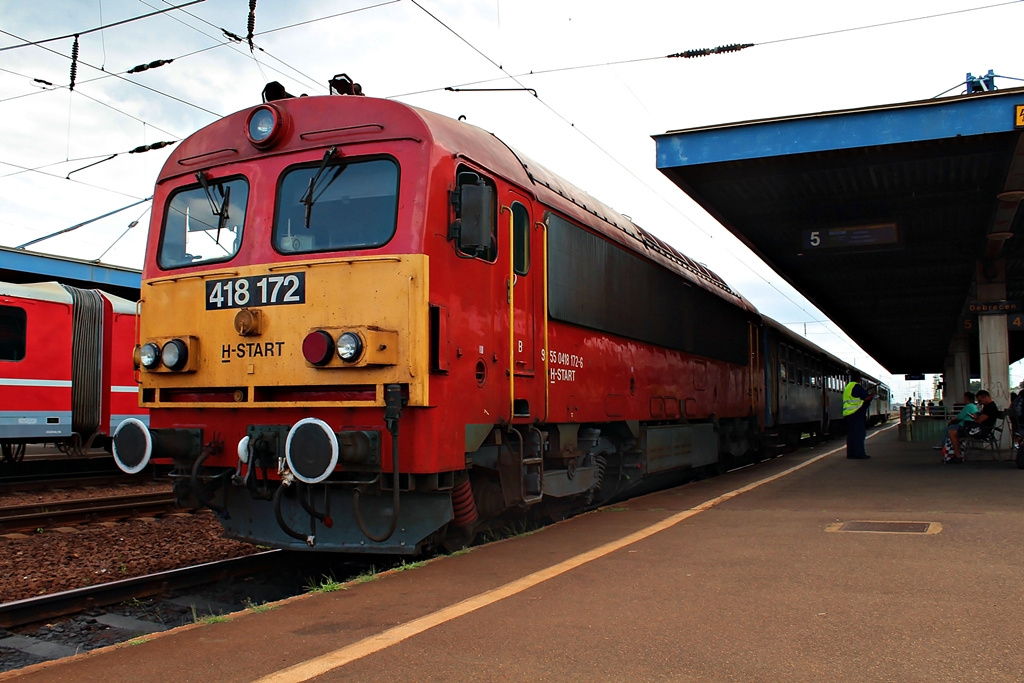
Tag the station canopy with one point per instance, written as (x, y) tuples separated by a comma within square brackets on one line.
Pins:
[(24, 267), (886, 218)]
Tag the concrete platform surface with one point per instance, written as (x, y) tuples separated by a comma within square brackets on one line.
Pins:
[(745, 577)]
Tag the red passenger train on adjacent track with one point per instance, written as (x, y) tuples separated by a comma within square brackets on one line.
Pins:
[(66, 375), (366, 327)]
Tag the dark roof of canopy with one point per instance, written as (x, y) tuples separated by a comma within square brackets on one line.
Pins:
[(932, 168)]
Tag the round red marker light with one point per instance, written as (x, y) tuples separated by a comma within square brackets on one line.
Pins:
[(318, 347)]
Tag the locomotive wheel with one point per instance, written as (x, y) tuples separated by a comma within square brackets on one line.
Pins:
[(13, 452)]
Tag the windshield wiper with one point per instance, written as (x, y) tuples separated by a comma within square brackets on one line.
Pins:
[(221, 212), (308, 199)]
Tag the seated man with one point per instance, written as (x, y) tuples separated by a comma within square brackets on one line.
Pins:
[(975, 428), (969, 410)]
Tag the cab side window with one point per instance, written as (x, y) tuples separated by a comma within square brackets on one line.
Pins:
[(520, 239)]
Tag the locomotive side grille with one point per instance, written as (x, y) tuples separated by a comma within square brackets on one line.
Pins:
[(204, 395), (86, 360), (354, 392)]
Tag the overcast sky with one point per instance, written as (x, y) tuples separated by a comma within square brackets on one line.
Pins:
[(591, 125)]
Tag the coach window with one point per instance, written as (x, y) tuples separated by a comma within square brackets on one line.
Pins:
[(203, 223), (520, 239), (336, 205), (12, 333)]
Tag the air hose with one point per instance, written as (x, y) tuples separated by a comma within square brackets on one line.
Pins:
[(305, 496), (309, 540), (197, 490), (392, 414)]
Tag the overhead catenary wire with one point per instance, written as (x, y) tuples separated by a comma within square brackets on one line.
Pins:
[(99, 259), (660, 57), (233, 38), (28, 43), (721, 49), (126, 80), (73, 180), (623, 166)]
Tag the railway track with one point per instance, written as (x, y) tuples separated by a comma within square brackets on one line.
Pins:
[(75, 482), (55, 605), (64, 513)]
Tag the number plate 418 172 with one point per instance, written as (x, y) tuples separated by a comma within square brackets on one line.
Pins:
[(256, 290)]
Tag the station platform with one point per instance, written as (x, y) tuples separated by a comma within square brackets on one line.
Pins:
[(756, 575)]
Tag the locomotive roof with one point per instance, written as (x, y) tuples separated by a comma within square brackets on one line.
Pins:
[(560, 193), (349, 119), (54, 291)]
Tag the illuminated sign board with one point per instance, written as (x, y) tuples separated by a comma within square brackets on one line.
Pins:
[(851, 237), (993, 307)]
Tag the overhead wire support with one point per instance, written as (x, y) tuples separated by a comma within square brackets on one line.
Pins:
[(74, 63), (79, 225), (251, 25), (529, 90), (146, 67), (95, 163), (704, 52), (138, 150)]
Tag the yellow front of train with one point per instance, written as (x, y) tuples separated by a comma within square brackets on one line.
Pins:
[(284, 331)]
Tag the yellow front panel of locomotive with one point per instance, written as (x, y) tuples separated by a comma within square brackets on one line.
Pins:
[(254, 351)]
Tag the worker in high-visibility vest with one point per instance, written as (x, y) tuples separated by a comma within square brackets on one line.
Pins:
[(855, 414)]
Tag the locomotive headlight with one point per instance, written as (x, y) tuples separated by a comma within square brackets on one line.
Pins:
[(263, 126), (174, 354), (350, 346), (149, 355)]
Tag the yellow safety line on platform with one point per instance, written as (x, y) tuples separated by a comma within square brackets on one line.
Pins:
[(367, 646)]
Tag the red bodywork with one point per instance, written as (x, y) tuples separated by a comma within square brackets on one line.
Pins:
[(571, 374), (36, 403)]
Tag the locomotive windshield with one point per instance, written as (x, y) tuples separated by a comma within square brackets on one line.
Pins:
[(351, 205), (204, 223)]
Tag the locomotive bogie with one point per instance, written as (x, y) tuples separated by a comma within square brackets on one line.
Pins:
[(421, 516)]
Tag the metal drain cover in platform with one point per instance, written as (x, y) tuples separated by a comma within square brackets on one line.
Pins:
[(887, 527)]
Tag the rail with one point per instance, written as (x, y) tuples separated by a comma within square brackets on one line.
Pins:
[(54, 605), (44, 515)]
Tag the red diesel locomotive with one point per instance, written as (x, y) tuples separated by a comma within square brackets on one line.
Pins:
[(65, 368), (366, 327)]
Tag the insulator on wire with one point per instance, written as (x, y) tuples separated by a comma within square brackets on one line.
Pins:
[(74, 63), (147, 67), (704, 52), (252, 23), (40, 80), (146, 147), (233, 37)]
